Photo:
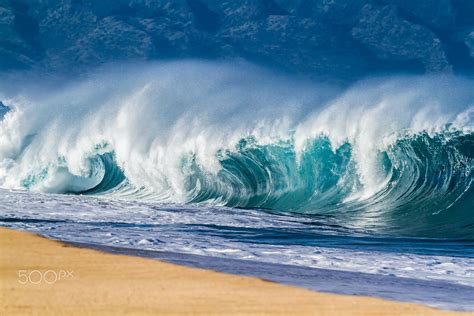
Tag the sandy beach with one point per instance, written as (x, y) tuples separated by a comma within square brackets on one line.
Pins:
[(44, 277)]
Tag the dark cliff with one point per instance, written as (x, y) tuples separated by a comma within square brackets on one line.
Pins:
[(344, 39)]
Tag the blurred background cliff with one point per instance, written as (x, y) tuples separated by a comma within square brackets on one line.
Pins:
[(344, 39)]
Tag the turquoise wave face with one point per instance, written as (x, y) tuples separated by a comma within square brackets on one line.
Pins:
[(275, 177), (427, 187)]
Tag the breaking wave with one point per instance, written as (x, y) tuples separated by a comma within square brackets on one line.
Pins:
[(392, 155)]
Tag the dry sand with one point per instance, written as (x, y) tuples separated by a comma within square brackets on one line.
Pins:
[(104, 283)]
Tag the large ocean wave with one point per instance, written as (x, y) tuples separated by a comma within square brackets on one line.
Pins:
[(391, 155)]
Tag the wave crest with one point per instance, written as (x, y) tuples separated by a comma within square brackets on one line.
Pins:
[(392, 155)]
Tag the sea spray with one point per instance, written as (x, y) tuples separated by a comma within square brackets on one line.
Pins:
[(389, 154)]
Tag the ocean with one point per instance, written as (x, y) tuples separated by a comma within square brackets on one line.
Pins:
[(242, 170)]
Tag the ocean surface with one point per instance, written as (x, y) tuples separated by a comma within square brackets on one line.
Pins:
[(241, 170)]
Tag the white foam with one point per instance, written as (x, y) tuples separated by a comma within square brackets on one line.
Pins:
[(153, 115)]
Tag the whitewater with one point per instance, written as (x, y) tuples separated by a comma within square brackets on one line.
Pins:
[(239, 162)]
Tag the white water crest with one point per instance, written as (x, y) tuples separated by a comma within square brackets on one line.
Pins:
[(155, 117)]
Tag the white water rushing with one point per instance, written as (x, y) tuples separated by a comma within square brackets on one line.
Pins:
[(154, 116)]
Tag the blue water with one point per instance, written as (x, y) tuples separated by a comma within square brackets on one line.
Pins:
[(373, 179)]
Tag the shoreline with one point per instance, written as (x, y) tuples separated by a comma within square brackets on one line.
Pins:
[(438, 294), (97, 282)]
